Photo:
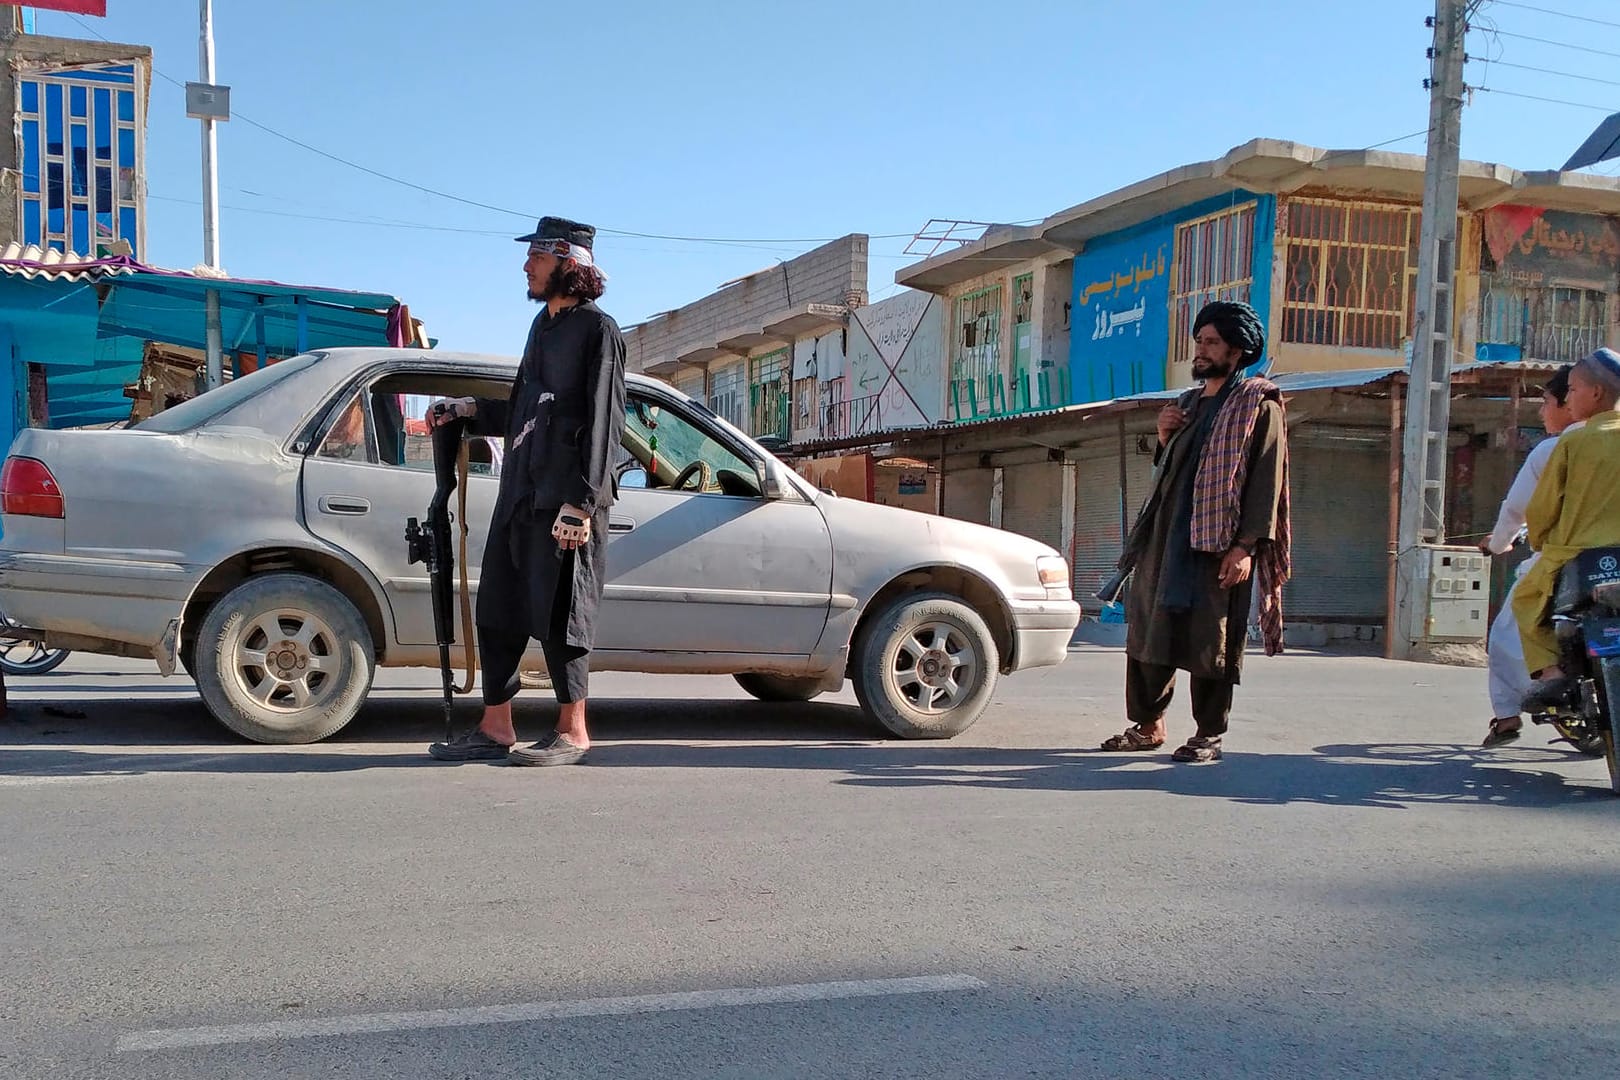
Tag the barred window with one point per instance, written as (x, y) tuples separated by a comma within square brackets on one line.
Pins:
[(1214, 261), (1555, 323), (1351, 273), (976, 381), (768, 393), (726, 390)]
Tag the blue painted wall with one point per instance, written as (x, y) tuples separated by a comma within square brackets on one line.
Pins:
[(1120, 316)]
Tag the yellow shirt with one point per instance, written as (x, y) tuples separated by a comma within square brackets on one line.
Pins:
[(1577, 503)]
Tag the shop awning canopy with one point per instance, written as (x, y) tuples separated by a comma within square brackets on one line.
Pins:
[(87, 321)]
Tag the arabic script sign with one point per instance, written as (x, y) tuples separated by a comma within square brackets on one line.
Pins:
[(1120, 315), (1534, 247)]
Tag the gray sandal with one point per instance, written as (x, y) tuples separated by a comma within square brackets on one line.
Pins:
[(473, 746), (554, 749)]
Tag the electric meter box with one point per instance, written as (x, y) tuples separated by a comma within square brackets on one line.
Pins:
[(1456, 582)]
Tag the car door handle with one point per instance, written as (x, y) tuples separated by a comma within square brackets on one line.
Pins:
[(344, 504), (620, 525)]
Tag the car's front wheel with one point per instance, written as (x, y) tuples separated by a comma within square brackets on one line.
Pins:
[(283, 658), (925, 666)]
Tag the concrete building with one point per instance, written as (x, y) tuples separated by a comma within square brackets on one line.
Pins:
[(73, 178), (1062, 338), (765, 351)]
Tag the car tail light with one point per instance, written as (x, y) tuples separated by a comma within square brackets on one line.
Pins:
[(28, 489)]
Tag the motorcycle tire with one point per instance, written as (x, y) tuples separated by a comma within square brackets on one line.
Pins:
[(1582, 739)]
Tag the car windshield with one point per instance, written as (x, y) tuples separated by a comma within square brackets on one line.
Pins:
[(666, 443), (216, 402)]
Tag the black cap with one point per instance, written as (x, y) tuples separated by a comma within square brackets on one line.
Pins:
[(556, 228)]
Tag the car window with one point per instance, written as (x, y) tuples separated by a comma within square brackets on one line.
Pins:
[(346, 438), (216, 402), (675, 451), (386, 423)]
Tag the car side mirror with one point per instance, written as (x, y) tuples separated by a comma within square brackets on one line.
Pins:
[(772, 485), (633, 478)]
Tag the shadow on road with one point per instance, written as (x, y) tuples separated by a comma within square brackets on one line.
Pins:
[(832, 738)]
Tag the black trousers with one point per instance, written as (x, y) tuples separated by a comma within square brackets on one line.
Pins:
[(500, 653), (501, 648), (1149, 689)]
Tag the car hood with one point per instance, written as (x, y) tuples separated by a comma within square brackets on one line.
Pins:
[(893, 525)]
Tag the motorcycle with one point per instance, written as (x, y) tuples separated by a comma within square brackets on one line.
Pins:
[(1586, 617), (24, 656)]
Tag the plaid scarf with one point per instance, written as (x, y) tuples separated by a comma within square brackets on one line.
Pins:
[(1223, 470)]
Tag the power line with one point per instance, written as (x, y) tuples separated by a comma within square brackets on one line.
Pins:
[(424, 189), (1557, 44), (1560, 14), (1550, 71), (1545, 100)]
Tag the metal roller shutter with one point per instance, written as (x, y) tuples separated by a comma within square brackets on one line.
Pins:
[(967, 494), (1098, 541), (1340, 495), (1032, 501)]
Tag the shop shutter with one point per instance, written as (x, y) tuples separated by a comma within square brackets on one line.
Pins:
[(967, 494), (1032, 501), (1340, 495), (1098, 541)]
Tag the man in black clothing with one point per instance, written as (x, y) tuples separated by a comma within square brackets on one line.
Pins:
[(545, 560)]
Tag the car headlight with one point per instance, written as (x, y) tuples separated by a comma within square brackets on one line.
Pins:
[(1053, 571)]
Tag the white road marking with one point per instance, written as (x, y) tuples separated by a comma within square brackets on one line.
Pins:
[(374, 1023)]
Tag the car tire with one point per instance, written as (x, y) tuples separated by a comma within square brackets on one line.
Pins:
[(283, 658), (925, 666), (778, 687)]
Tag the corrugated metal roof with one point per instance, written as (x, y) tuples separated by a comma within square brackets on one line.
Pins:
[(1295, 383), (28, 261)]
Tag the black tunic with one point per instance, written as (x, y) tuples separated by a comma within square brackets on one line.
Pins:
[(562, 423)]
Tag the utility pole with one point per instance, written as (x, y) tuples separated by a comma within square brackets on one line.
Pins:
[(1428, 400), (210, 103)]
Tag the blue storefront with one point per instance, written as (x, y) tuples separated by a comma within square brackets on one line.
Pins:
[(1136, 290)]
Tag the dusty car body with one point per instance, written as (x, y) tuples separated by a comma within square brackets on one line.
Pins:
[(255, 536)]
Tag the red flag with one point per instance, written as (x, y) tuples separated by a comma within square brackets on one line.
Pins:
[(80, 7)]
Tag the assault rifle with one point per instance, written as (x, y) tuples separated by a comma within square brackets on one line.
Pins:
[(431, 545)]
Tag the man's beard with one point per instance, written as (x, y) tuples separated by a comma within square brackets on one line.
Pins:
[(1213, 369), (552, 288)]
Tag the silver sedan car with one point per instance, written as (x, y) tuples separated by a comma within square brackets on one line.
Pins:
[(255, 535)]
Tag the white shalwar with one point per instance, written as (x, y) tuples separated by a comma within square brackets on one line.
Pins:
[(1509, 678)]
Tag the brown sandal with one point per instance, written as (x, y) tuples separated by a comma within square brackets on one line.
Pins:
[(1199, 749), (1131, 740)]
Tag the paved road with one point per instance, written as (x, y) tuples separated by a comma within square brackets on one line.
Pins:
[(741, 890)]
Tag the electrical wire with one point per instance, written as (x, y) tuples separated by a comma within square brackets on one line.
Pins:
[(1550, 71), (1556, 44), (1559, 14), (450, 196), (1544, 100)]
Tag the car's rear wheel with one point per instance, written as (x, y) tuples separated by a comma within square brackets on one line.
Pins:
[(925, 666), (778, 687), (283, 658)]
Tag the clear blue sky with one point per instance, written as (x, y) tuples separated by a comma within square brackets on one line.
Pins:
[(779, 120)]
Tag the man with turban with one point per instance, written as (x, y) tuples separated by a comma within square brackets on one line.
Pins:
[(1576, 507), (1215, 521)]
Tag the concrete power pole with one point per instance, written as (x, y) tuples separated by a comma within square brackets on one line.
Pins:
[(210, 194), (1428, 403)]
